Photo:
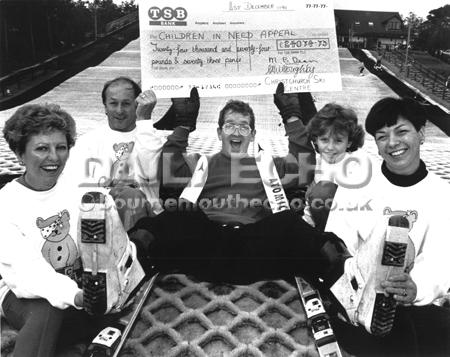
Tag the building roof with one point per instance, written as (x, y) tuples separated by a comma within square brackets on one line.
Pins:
[(366, 22)]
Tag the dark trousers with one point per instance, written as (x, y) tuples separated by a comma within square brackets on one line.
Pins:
[(44, 329), (279, 246), (417, 331)]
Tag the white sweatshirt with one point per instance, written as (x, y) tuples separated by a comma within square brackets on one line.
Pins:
[(358, 214), (103, 154), (38, 235)]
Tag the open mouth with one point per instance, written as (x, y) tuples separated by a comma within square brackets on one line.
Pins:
[(235, 144)]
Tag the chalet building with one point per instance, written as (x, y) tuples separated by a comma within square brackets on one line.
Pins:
[(369, 29)]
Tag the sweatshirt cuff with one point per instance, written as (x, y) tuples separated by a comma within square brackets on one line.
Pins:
[(420, 298), (424, 295)]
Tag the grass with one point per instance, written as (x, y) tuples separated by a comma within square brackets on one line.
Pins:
[(431, 62), (427, 60)]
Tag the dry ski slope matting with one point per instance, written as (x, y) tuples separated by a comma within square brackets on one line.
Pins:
[(185, 317)]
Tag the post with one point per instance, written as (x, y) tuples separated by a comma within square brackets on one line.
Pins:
[(407, 44), (444, 91), (350, 36)]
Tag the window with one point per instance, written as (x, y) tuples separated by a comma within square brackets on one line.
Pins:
[(370, 23), (393, 25)]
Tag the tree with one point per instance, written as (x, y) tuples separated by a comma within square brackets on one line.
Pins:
[(413, 23), (128, 6), (435, 31), (106, 11), (70, 21), (33, 30)]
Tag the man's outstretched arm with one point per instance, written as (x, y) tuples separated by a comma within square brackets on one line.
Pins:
[(296, 109)]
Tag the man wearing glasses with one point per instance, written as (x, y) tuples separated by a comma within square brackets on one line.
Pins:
[(233, 221)]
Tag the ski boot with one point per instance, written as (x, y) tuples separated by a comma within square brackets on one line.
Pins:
[(167, 122), (182, 112), (111, 270), (359, 289)]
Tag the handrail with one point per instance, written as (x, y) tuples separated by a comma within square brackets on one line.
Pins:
[(414, 69), (27, 69), (419, 66)]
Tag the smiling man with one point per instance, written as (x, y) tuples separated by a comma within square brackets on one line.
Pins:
[(236, 130), (123, 154), (120, 106), (238, 226), (233, 190), (401, 189)]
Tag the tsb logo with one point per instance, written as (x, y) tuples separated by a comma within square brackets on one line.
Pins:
[(167, 13)]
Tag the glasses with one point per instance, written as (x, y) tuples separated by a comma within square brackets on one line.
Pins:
[(243, 129)]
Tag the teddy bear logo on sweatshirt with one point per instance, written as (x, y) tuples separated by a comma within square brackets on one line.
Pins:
[(120, 168), (59, 249)]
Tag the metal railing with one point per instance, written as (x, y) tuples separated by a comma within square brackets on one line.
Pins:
[(418, 72), (12, 82)]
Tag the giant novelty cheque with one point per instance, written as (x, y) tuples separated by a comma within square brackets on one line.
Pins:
[(229, 48)]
